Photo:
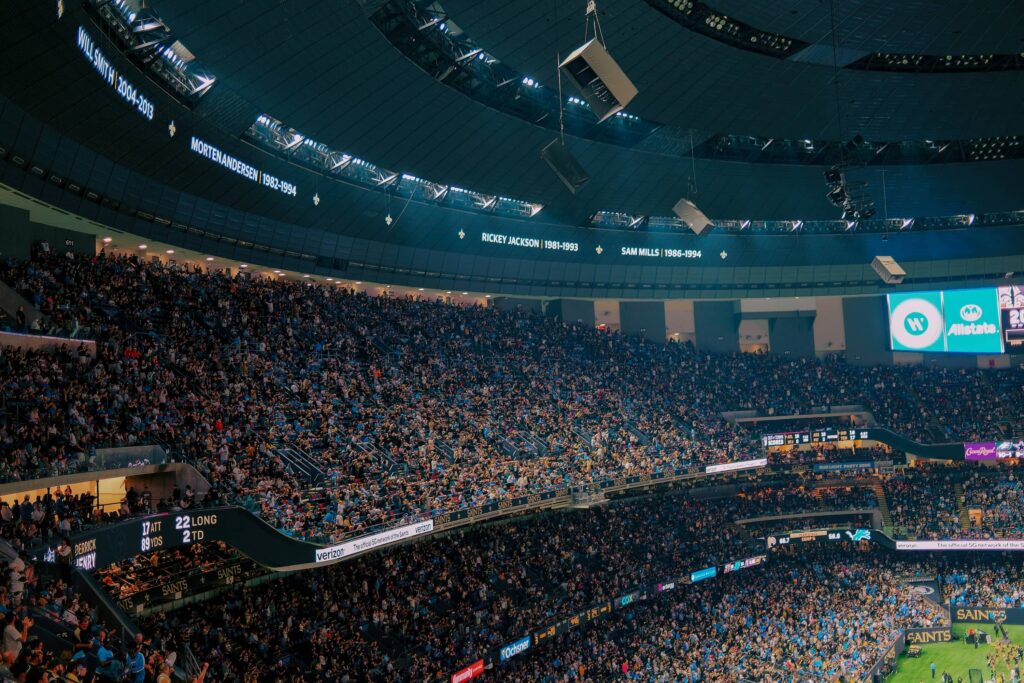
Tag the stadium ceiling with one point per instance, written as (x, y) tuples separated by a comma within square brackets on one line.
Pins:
[(325, 68), (698, 80)]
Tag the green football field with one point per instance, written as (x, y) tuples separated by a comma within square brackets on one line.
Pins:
[(955, 657)]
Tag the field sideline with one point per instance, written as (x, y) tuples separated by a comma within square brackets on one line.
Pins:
[(955, 657)]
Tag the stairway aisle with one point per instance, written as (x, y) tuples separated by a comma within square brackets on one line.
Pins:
[(883, 506)]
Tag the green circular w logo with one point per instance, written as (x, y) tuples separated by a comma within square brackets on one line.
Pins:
[(916, 323)]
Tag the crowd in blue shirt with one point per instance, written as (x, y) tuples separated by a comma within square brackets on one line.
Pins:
[(410, 406)]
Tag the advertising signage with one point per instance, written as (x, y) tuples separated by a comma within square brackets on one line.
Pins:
[(701, 575), (815, 535), (736, 466), (987, 615), (964, 544), (950, 321), (972, 321), (401, 533), (515, 648), (471, 671), (743, 564), (993, 450)]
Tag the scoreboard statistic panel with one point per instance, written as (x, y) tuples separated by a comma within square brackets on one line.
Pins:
[(1011, 307), (814, 436), (116, 543), (235, 526)]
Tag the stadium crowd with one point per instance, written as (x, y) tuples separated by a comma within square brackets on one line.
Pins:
[(51, 633), (413, 612), (418, 613), (999, 495), (984, 586), (406, 407), (922, 502), (839, 613)]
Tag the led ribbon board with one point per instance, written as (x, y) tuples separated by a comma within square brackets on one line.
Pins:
[(237, 166), (105, 68)]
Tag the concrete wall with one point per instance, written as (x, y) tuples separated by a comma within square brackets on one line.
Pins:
[(829, 327), (606, 312), (717, 326), (679, 323), (508, 303), (18, 232), (754, 334), (572, 311), (792, 337), (643, 319), (865, 320)]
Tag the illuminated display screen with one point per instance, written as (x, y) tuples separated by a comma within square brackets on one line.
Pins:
[(239, 167), (105, 68), (659, 252), (1011, 309), (825, 435), (528, 242), (504, 241), (142, 536), (950, 321), (815, 535)]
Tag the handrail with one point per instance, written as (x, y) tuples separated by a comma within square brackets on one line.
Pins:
[(107, 606), (805, 514), (102, 460)]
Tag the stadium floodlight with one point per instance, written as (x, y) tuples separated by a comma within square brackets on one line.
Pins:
[(274, 135), (147, 40), (837, 195)]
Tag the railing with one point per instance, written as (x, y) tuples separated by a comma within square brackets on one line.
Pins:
[(887, 662), (188, 662), (100, 459), (300, 463)]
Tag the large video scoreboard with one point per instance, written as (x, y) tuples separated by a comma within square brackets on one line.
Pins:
[(1011, 308), (982, 320)]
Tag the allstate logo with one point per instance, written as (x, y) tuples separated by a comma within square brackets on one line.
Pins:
[(916, 324), (970, 312)]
